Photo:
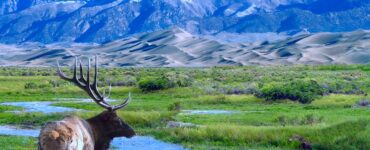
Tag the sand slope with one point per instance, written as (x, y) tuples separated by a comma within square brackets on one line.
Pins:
[(175, 47)]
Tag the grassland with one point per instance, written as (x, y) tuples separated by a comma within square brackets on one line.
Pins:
[(334, 119)]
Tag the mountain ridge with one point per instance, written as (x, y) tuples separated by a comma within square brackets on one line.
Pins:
[(97, 21)]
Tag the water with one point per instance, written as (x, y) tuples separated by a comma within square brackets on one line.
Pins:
[(10, 130), (143, 142), (44, 107), (86, 100), (207, 112), (137, 142), (134, 143), (73, 99)]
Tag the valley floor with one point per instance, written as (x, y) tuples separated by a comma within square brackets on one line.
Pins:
[(216, 111)]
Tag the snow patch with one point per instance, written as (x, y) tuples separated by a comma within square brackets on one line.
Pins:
[(187, 1), (229, 11), (67, 2), (250, 10), (135, 1)]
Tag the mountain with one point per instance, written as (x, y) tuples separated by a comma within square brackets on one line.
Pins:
[(101, 21), (176, 47)]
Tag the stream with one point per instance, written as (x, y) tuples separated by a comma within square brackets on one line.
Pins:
[(44, 107), (134, 143), (207, 112), (47, 107)]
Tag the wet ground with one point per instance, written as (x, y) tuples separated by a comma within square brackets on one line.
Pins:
[(11, 130), (207, 112), (44, 107), (135, 143), (143, 143)]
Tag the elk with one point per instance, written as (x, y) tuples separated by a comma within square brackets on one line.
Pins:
[(96, 133)]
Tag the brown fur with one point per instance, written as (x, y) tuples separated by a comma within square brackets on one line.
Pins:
[(73, 133), (69, 133)]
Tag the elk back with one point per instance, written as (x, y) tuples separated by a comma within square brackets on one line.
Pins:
[(71, 133)]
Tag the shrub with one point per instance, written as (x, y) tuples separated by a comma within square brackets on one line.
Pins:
[(308, 119), (153, 83), (44, 85), (298, 90), (342, 87), (168, 80), (177, 79), (175, 106), (311, 119), (282, 120), (126, 81), (54, 83), (252, 89), (30, 85), (363, 103)]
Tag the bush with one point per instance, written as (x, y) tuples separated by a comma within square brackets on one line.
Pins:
[(30, 85), (311, 119), (126, 81), (308, 119), (298, 90), (153, 83), (363, 103), (54, 83), (168, 80), (176, 79), (175, 106), (342, 87), (44, 85)]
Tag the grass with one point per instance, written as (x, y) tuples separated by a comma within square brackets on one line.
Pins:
[(10, 108), (330, 122), (347, 135), (337, 100), (17, 143)]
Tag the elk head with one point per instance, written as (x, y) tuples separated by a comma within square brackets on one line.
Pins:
[(111, 125), (107, 124)]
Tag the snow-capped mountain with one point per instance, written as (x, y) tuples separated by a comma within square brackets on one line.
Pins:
[(100, 21)]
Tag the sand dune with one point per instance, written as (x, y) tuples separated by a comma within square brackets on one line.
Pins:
[(175, 47)]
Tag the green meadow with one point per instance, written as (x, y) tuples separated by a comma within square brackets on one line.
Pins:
[(327, 106)]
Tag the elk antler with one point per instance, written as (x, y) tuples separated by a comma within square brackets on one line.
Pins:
[(92, 89)]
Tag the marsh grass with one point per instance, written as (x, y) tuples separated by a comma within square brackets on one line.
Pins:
[(345, 135), (17, 143), (4, 108), (29, 119)]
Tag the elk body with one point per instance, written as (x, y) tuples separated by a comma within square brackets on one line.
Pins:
[(74, 133)]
